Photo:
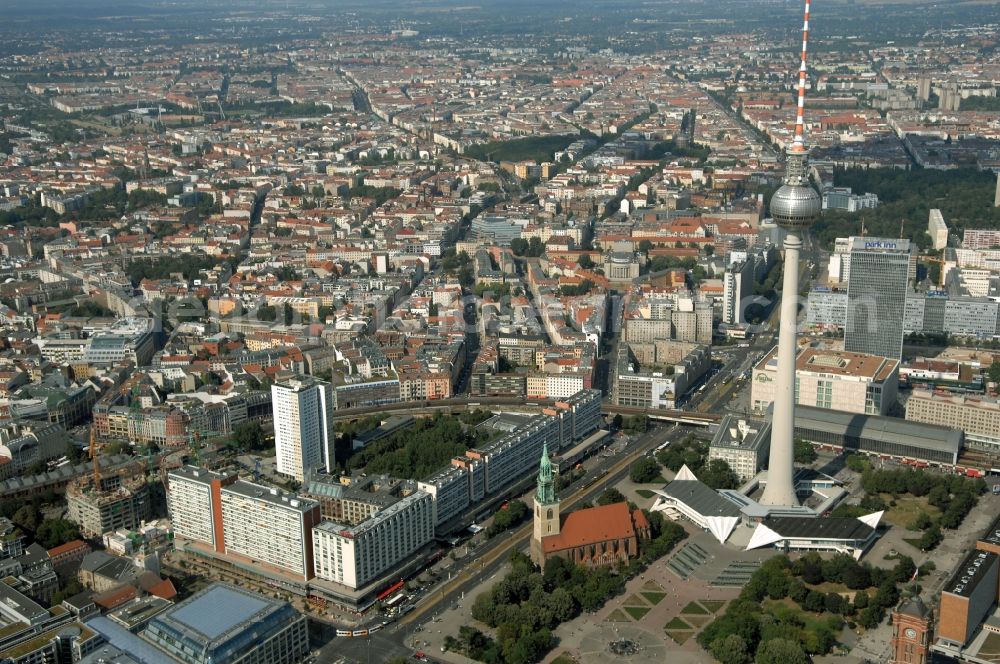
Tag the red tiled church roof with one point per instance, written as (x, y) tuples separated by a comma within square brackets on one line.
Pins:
[(592, 526)]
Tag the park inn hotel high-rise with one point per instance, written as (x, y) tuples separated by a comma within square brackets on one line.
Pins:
[(876, 296)]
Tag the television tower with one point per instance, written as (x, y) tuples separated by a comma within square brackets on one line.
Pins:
[(794, 207)]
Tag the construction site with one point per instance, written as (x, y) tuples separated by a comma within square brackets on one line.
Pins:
[(100, 504)]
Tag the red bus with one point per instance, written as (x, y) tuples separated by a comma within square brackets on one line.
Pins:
[(390, 590)]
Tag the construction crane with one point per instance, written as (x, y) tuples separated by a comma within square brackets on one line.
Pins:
[(135, 408), (94, 460), (194, 444)]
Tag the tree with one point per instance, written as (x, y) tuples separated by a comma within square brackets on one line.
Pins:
[(780, 651), (811, 571), (562, 605), (857, 463), (856, 577), (718, 475), (904, 569), (466, 277), (610, 496), (833, 603), (115, 447), (804, 451), (730, 649), (777, 586), (248, 436), (709, 250), (585, 261), (27, 517), (267, 313), (861, 600), (815, 602), (931, 538), (870, 617), (508, 517), (289, 314), (53, 532), (645, 470), (636, 423), (74, 453), (993, 373)]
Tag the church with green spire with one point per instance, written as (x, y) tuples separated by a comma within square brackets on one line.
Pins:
[(594, 537)]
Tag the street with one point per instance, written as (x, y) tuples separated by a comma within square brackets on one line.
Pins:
[(390, 642)]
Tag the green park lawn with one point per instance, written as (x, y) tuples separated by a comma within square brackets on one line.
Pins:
[(713, 605), (694, 609), (652, 597), (617, 616), (907, 508), (676, 624), (637, 612)]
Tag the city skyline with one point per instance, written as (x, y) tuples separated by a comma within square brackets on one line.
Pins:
[(509, 332)]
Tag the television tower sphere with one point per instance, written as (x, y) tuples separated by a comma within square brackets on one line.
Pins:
[(796, 205)]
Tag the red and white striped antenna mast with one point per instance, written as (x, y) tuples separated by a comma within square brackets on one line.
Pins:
[(798, 145)]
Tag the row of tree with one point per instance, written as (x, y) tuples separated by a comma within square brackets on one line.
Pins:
[(533, 248), (507, 517)]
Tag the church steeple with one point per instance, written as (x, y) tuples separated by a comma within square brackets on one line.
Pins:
[(546, 488), (547, 518)]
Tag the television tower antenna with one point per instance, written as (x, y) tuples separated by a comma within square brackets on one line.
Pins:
[(798, 144)]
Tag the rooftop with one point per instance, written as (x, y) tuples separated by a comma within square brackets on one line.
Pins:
[(270, 495), (835, 363), (592, 525), (992, 533), (746, 433), (828, 528), (217, 610), (879, 244), (700, 498), (877, 427), (971, 572)]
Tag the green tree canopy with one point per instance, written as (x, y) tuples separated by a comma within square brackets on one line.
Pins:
[(780, 651), (645, 470)]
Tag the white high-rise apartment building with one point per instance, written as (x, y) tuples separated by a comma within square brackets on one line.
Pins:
[(356, 555), (303, 426)]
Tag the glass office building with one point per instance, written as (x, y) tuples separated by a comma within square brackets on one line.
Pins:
[(876, 296)]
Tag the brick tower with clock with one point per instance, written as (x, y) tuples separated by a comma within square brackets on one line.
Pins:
[(911, 638)]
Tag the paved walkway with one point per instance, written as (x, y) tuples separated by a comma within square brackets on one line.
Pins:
[(588, 637)]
